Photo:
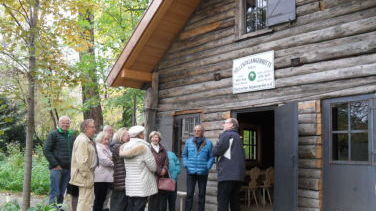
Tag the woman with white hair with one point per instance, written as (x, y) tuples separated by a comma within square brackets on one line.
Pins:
[(104, 172), (140, 166)]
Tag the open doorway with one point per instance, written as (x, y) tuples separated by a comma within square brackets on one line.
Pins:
[(257, 131)]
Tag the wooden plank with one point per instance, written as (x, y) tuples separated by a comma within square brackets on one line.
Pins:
[(206, 117), (309, 183), (200, 30), (325, 65), (307, 9), (136, 75), (310, 173), (308, 202), (310, 140), (309, 118), (312, 106), (310, 163), (193, 111), (309, 194), (310, 151), (312, 129)]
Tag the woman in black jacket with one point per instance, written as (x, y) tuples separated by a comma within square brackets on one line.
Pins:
[(118, 197)]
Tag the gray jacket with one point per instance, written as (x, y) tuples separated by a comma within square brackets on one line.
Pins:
[(230, 157)]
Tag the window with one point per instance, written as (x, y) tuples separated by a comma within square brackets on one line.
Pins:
[(350, 131), (255, 16), (183, 129), (250, 144)]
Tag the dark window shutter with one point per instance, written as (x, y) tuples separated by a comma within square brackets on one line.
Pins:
[(280, 11), (165, 126)]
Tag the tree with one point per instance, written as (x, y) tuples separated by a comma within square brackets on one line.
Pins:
[(28, 48)]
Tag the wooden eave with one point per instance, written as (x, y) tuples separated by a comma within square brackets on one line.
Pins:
[(149, 42)]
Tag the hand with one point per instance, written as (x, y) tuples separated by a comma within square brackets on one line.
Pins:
[(58, 167), (163, 172)]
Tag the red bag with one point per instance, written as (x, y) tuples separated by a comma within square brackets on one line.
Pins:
[(166, 184)]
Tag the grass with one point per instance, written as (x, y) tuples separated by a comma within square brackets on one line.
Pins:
[(11, 171)]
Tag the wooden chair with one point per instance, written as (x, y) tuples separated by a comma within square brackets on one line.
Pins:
[(252, 187), (267, 184)]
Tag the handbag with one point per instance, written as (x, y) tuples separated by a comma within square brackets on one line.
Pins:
[(166, 184)]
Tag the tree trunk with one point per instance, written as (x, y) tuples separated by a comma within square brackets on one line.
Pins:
[(134, 120), (150, 105), (30, 105), (90, 89)]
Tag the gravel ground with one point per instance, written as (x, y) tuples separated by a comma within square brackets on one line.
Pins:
[(6, 197)]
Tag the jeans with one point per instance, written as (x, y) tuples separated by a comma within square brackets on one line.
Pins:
[(229, 193), (192, 179), (118, 201), (58, 184), (100, 193), (136, 203)]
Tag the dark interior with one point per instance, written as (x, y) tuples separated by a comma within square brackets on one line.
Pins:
[(263, 123)]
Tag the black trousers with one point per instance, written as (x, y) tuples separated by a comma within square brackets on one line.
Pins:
[(201, 180), (229, 194), (119, 201), (136, 203), (100, 193), (158, 202), (171, 198)]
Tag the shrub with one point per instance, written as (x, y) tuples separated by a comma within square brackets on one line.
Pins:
[(11, 171)]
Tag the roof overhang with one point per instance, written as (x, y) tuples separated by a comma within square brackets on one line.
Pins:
[(154, 34)]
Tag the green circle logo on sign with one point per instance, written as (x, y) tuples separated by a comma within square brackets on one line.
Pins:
[(252, 76)]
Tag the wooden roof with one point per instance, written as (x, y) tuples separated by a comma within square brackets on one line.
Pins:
[(159, 26)]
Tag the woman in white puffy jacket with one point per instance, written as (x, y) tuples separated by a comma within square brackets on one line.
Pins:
[(140, 166), (103, 174)]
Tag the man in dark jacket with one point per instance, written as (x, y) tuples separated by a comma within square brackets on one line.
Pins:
[(230, 166), (58, 151), (198, 160)]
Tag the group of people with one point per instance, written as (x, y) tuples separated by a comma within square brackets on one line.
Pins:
[(124, 168)]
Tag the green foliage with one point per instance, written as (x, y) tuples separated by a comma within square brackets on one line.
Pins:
[(10, 206), (11, 171), (14, 206), (11, 127)]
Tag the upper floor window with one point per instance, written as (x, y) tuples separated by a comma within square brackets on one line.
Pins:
[(350, 129), (255, 16), (183, 129)]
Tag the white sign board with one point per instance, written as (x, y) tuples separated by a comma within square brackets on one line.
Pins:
[(253, 73)]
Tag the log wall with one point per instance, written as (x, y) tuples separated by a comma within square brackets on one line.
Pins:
[(335, 41)]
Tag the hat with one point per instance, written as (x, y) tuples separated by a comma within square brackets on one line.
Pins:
[(135, 130)]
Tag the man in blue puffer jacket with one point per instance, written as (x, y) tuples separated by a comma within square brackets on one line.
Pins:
[(198, 160)]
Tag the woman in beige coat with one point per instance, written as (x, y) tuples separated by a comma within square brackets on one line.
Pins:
[(84, 161)]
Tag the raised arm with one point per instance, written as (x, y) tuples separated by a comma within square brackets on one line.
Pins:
[(221, 146)]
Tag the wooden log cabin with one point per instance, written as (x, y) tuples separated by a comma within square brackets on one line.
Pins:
[(299, 75)]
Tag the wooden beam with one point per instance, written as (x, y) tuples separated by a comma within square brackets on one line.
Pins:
[(136, 75)]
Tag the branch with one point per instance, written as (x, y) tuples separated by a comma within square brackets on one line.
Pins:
[(24, 67), (14, 17), (24, 10)]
